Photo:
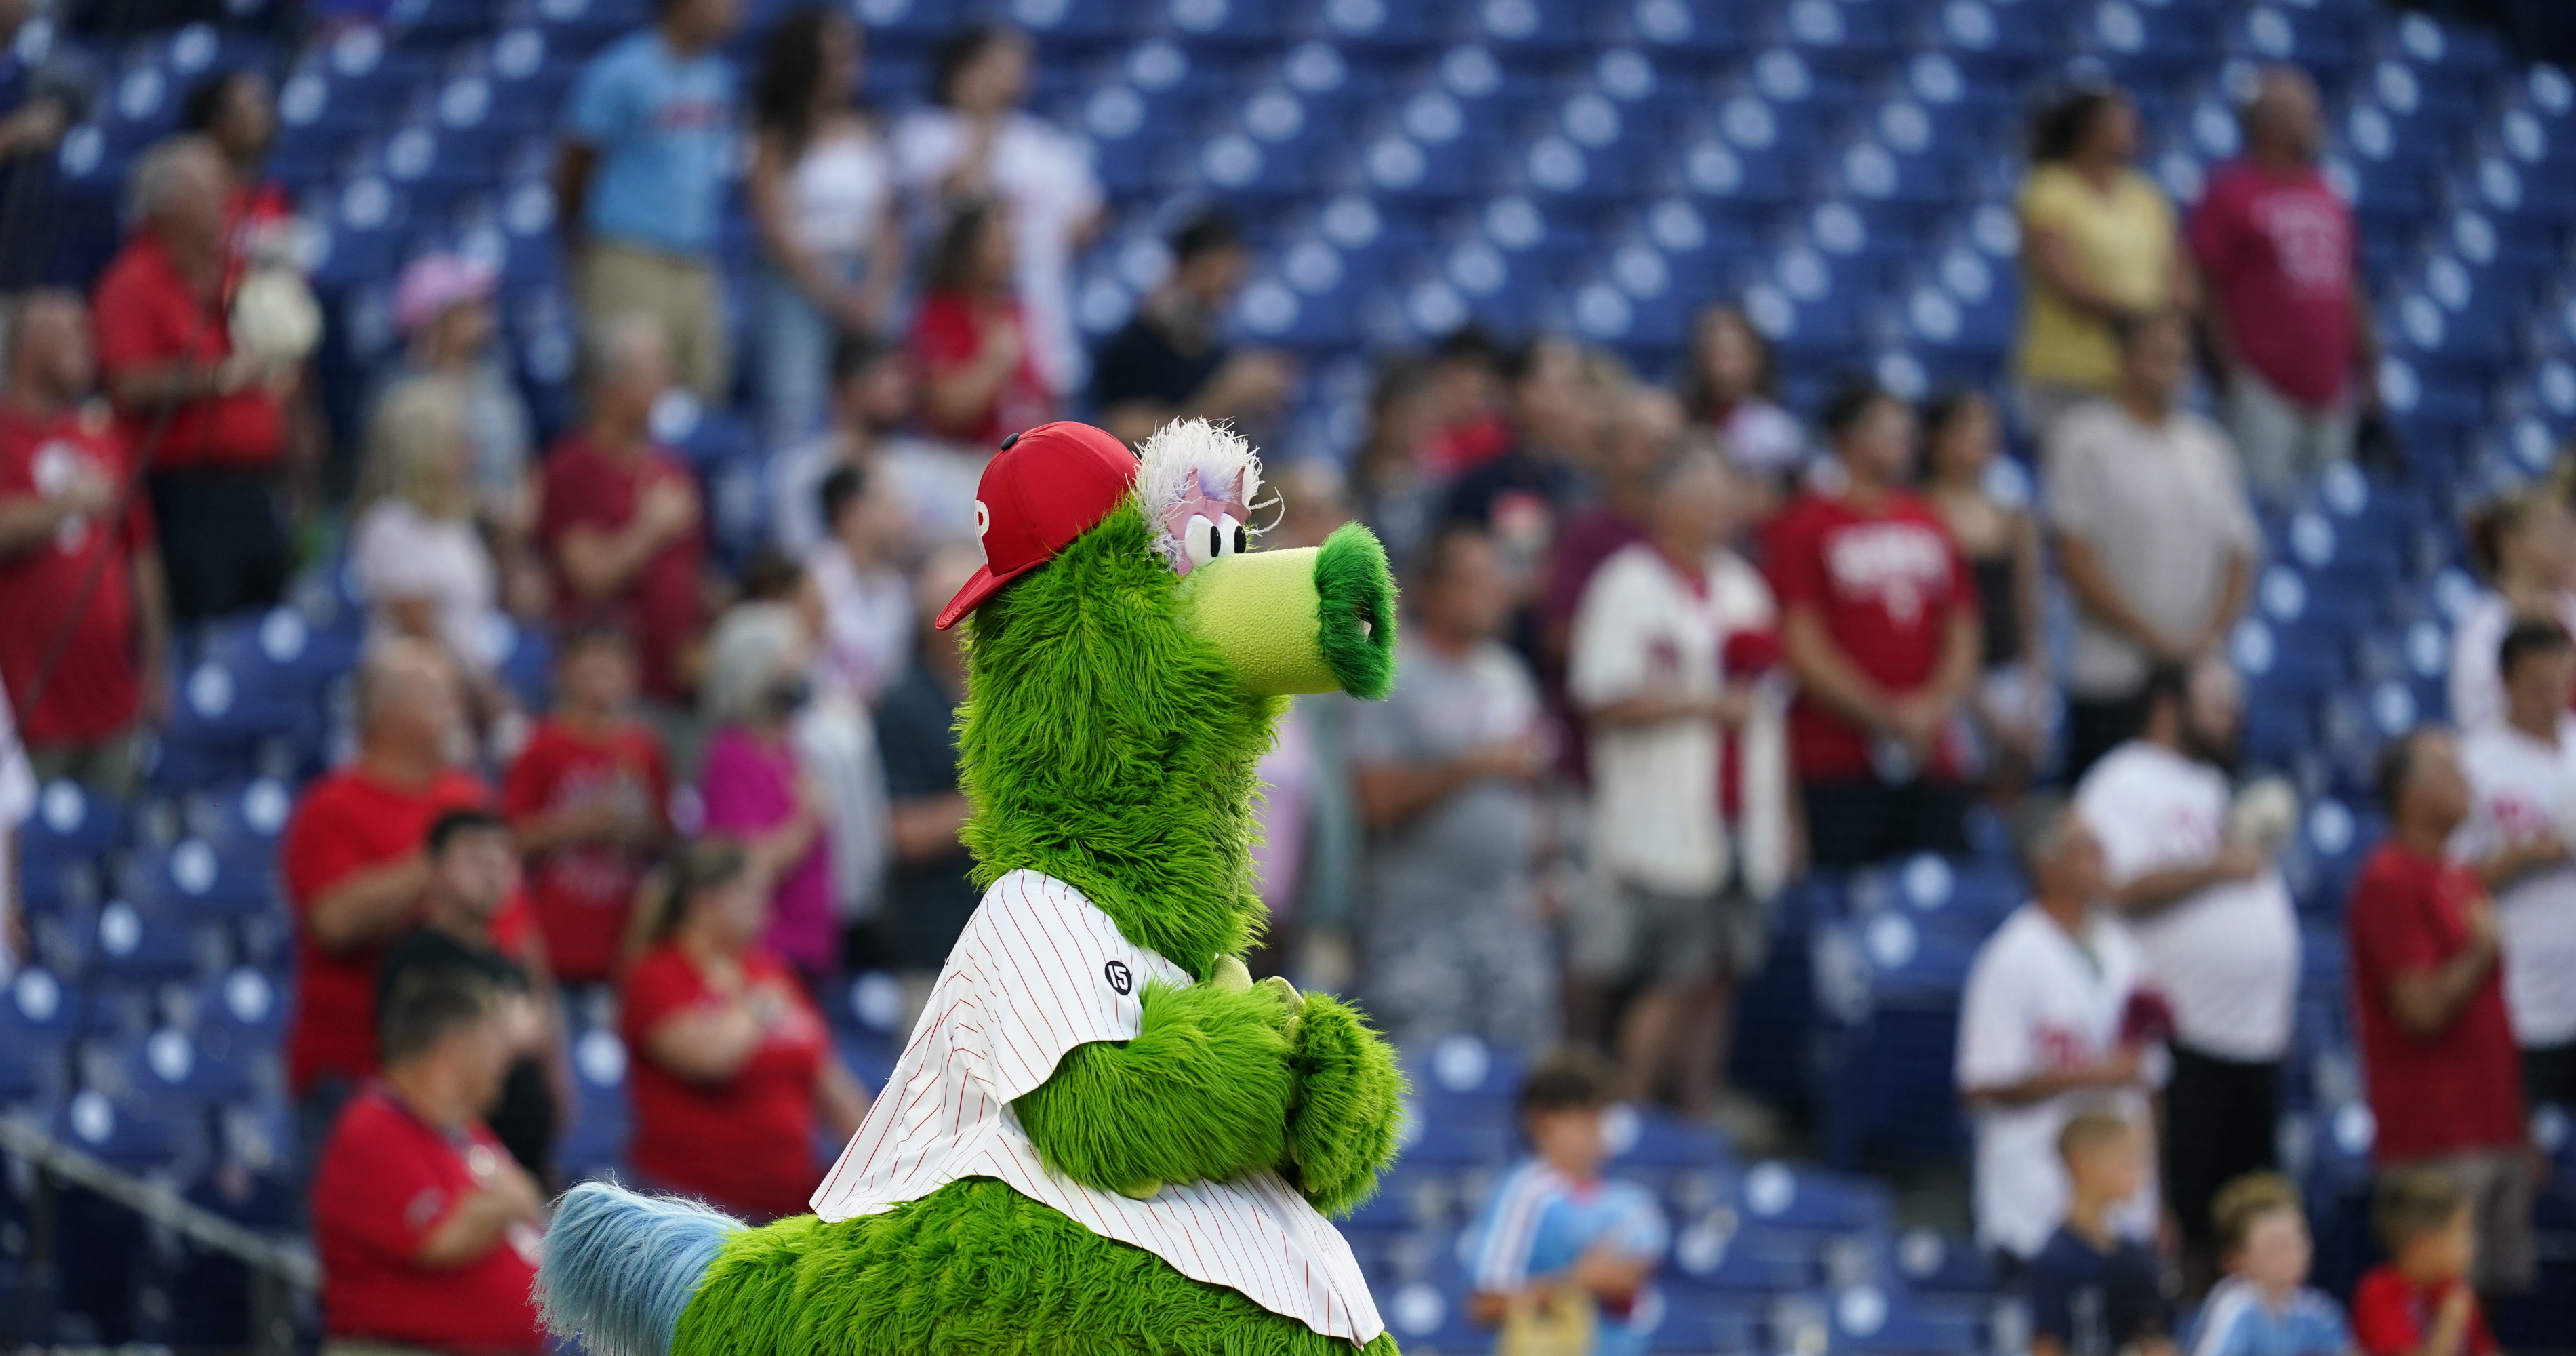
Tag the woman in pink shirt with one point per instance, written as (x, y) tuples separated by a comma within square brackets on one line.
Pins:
[(755, 791)]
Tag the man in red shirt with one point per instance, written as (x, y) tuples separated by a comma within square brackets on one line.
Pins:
[(587, 797), (2437, 1045), (427, 1231), (354, 872), (2290, 329), (1879, 622), (618, 517), (102, 624), (210, 422)]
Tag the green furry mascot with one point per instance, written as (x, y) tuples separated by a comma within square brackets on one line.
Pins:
[(1103, 1137)]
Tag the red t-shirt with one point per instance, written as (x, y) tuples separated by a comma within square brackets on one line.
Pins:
[(148, 316), (745, 1144), (661, 606), (2461, 1089), (2278, 253), (349, 822), (2390, 1315), (946, 335), (583, 892), (387, 1180), (254, 215), (94, 691), (1885, 584)]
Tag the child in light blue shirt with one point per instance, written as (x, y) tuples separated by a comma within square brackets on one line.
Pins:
[(2265, 1307), (1554, 1221)]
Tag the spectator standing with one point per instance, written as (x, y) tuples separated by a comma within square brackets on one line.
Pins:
[(732, 1062), (1171, 359), (414, 551), (823, 198), (2265, 1306), (973, 144), (2289, 325), (443, 308), (928, 896), (467, 924), (1394, 496), (2421, 1300), (36, 108), (1879, 626), (640, 174), (1642, 440), (1451, 940), (867, 622), (588, 798), (353, 870), (1690, 819), (67, 498), (1523, 494), (1999, 537), (980, 382), (2437, 1047), (2220, 936), (2524, 546), (2094, 1289), (619, 518), (2098, 247), (236, 112), (1729, 390), (2519, 770), (872, 402), (2055, 1017), (1559, 1250), (427, 1230), (754, 787), (209, 421), (2153, 532), (17, 802), (1470, 423)]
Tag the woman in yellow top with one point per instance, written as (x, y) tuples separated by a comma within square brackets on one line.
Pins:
[(2099, 244)]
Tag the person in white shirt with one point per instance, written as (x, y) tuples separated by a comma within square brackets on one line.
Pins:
[(872, 396), (2523, 545), (2522, 780), (822, 194), (974, 143), (1690, 780), (2058, 1015), (17, 802), (2220, 935), (414, 551)]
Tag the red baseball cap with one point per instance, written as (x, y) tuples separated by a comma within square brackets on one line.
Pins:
[(1045, 487)]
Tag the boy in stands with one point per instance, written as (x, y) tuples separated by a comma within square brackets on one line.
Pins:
[(588, 797), (1558, 1239), (2419, 1302), (2264, 1306), (2094, 1291)]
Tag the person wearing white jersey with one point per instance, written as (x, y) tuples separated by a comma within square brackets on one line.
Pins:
[(2522, 782), (2220, 935), (2059, 1014)]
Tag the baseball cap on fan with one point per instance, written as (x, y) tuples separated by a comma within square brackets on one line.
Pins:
[(1045, 487)]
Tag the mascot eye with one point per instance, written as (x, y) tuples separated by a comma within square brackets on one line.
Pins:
[(1199, 540), (1229, 536)]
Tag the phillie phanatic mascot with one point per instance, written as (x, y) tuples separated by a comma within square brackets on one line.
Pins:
[(1102, 1136)]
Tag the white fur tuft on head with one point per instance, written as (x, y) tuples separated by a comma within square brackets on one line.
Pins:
[(1195, 466)]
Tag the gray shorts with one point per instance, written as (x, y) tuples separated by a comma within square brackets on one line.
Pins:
[(1620, 931), (2498, 1185)]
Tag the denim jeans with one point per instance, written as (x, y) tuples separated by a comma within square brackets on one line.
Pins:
[(795, 338)]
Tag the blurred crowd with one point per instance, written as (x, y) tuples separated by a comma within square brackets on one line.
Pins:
[(1668, 644)]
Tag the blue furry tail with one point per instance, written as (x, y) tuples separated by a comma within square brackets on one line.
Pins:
[(620, 1267)]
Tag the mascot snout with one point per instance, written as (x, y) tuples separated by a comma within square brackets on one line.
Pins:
[(1316, 619)]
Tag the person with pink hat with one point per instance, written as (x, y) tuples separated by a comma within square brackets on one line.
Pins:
[(442, 306)]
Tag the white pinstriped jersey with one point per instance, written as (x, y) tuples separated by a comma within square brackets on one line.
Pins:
[(1038, 971)]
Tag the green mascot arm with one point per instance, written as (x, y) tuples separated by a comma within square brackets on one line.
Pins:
[(1203, 1091), (1351, 1101)]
